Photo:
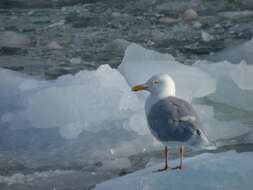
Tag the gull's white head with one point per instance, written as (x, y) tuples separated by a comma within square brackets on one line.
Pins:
[(161, 85)]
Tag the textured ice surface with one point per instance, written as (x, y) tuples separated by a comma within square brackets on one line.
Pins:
[(73, 103), (236, 54), (139, 64), (228, 170), (234, 83), (97, 110), (94, 109)]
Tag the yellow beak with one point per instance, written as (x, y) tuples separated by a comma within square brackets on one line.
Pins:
[(139, 87)]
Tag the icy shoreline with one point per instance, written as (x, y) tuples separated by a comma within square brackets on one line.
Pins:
[(228, 170)]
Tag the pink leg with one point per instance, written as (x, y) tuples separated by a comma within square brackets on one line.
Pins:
[(181, 156)]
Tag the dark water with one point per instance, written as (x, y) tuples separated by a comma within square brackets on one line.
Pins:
[(98, 33)]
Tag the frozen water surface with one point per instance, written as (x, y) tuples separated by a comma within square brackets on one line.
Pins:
[(228, 170)]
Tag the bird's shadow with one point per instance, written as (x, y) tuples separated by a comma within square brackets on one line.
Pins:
[(167, 169)]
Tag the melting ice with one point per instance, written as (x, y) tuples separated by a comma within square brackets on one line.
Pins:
[(206, 171), (100, 102)]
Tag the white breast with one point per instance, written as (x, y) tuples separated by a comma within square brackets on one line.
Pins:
[(151, 100)]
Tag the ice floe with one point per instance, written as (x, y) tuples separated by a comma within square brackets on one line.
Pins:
[(227, 170)]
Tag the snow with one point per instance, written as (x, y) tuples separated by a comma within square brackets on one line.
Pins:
[(227, 170)]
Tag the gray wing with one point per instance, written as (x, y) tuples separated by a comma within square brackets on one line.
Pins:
[(173, 119)]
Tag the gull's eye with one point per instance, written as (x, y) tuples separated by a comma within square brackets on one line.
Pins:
[(156, 82)]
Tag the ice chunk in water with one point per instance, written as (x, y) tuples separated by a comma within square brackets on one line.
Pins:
[(242, 75), (221, 127), (99, 103), (234, 83), (73, 103), (228, 170), (140, 64), (9, 83), (235, 54)]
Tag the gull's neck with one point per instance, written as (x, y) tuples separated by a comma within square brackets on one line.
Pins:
[(154, 97)]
